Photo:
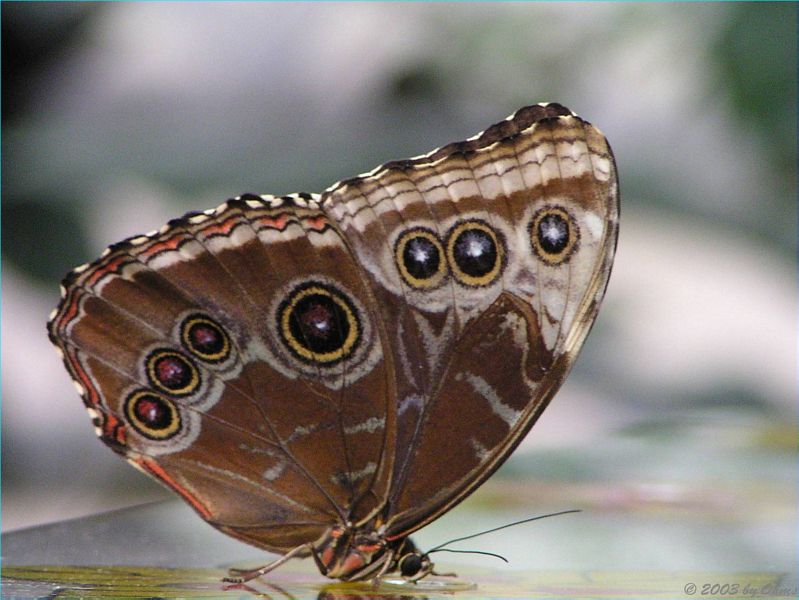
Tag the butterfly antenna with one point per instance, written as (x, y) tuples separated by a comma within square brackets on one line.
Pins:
[(499, 556), (474, 535)]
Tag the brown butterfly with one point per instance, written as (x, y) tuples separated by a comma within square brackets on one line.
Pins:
[(325, 374)]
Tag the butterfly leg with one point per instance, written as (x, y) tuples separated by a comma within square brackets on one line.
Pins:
[(242, 575), (429, 569), (432, 572), (389, 559), (423, 572)]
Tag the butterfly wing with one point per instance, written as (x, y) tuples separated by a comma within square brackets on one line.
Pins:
[(235, 356), (491, 257), (285, 364)]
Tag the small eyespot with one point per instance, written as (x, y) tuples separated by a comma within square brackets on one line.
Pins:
[(319, 324), (554, 234), (205, 338), (476, 253), (152, 415), (172, 372), (420, 258)]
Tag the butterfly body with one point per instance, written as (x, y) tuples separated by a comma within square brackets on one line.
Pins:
[(326, 374), (350, 554)]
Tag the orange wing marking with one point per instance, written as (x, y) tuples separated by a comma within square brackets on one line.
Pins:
[(319, 223), (111, 267), (278, 222), (169, 244), (155, 469)]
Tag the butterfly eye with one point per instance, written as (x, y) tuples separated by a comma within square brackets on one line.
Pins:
[(152, 415), (420, 258), (205, 338), (319, 324), (173, 373), (410, 564), (554, 235), (476, 253)]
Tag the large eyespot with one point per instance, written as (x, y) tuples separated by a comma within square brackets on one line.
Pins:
[(554, 234), (319, 324), (152, 415), (205, 338), (420, 258), (173, 373), (476, 253)]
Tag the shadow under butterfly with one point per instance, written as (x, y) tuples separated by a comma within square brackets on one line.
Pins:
[(325, 374)]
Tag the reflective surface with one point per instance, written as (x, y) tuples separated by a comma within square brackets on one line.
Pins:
[(294, 584), (725, 518)]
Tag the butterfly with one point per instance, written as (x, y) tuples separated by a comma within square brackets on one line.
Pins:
[(323, 375)]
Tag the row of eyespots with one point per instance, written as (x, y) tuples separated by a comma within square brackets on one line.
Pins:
[(152, 412), (319, 324), (475, 253)]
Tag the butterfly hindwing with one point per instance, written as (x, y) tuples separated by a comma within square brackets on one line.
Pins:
[(465, 244)]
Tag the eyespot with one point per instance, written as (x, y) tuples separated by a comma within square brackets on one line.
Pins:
[(319, 324), (152, 415), (172, 372), (554, 234), (205, 338), (420, 258), (476, 253)]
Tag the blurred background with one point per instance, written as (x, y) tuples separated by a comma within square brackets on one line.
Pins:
[(677, 431)]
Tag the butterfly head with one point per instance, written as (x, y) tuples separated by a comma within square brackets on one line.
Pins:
[(411, 563)]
